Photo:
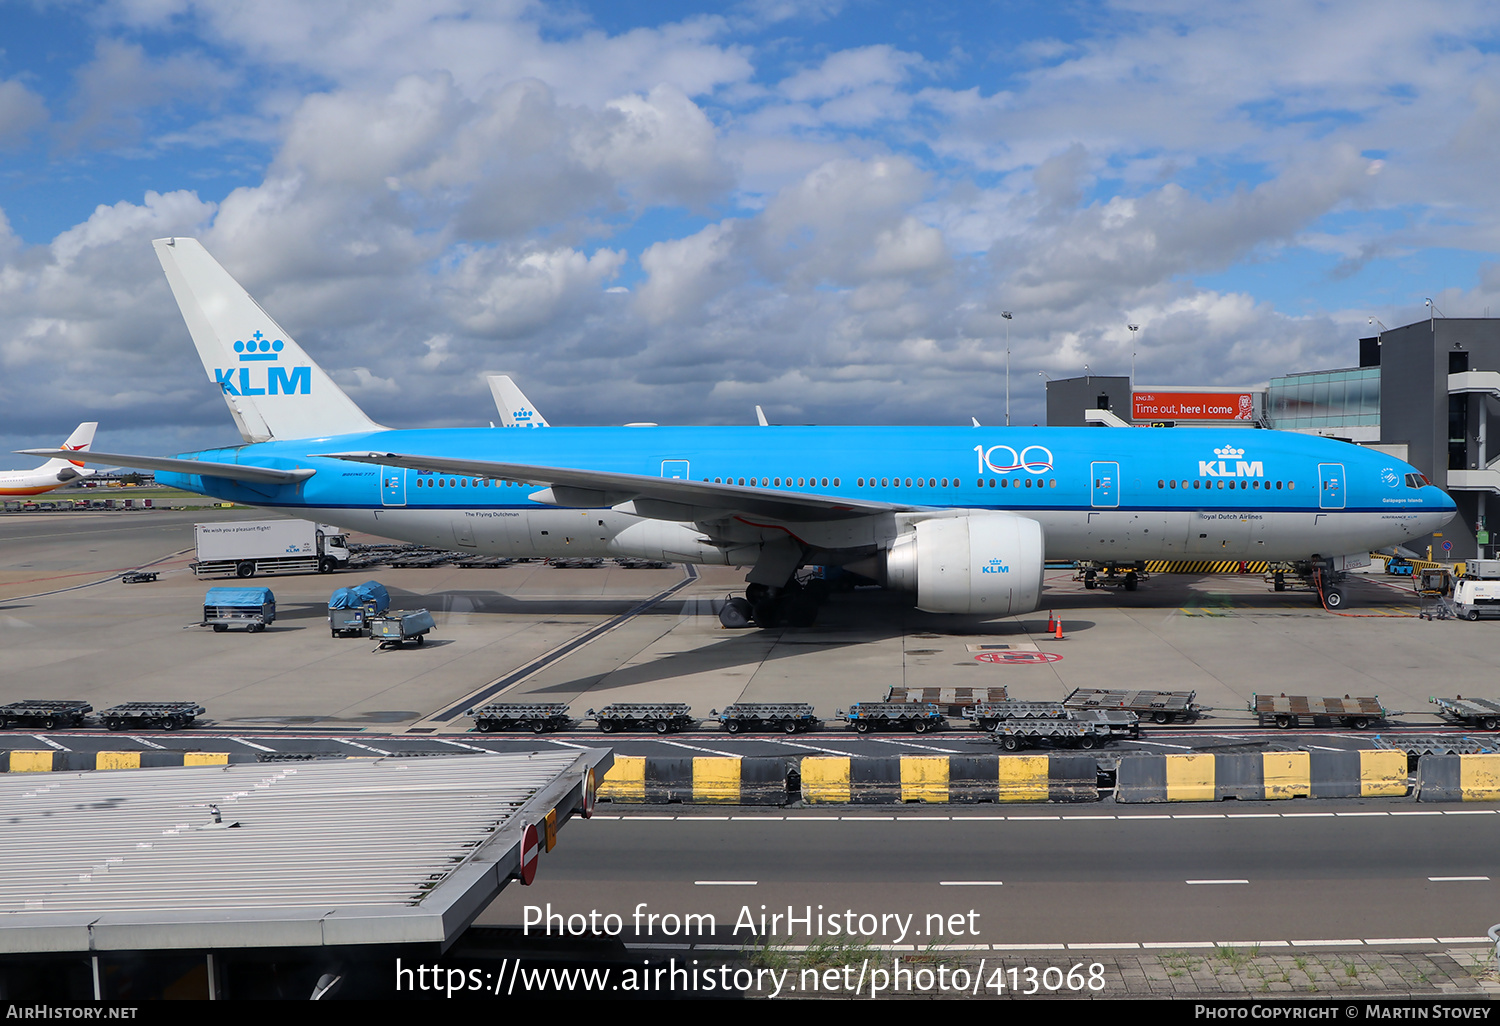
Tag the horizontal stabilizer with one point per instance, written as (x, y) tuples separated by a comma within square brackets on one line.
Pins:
[(229, 471), (701, 499)]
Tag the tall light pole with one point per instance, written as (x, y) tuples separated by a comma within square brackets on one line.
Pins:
[(1006, 315), (1133, 329)]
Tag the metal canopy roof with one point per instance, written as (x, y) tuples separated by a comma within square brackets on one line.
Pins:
[(362, 852)]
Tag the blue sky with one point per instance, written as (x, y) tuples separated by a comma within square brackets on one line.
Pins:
[(676, 211)]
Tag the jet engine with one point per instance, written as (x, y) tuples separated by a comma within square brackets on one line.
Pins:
[(979, 563)]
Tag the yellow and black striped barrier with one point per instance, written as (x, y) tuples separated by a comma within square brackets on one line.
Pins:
[(52, 761), (1458, 778), (700, 779), (1207, 566), (1261, 776)]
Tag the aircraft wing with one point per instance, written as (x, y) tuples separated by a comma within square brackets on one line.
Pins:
[(660, 498), (231, 471)]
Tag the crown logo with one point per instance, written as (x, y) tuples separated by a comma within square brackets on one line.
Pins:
[(259, 348), (1229, 452)]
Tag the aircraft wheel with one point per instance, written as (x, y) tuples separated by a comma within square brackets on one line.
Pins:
[(1090, 582), (1334, 598), (767, 613), (756, 593), (1131, 581), (802, 611), (1278, 582), (736, 614)]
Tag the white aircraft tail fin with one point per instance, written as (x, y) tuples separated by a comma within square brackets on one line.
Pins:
[(515, 409), (272, 387), (79, 441)]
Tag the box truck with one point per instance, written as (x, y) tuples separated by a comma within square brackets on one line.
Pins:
[(244, 548)]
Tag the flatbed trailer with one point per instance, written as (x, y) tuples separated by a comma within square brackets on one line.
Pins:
[(1013, 735), (662, 717), (1436, 744), (1287, 711), (993, 716), (919, 717), (537, 717), (952, 701), (1480, 713), (250, 608), (144, 715), (1157, 706), (787, 717), (44, 714)]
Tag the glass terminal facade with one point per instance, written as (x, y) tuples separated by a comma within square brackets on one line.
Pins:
[(1327, 399)]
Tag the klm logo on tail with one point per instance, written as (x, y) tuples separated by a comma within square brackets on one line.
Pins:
[(277, 380)]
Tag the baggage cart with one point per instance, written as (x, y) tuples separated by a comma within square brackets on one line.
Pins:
[(1287, 711), (537, 717), (662, 717), (787, 717), (1013, 735), (350, 610), (1157, 706), (919, 717), (250, 608), (993, 716), (1481, 713), (397, 628), (44, 714), (952, 701), (145, 715)]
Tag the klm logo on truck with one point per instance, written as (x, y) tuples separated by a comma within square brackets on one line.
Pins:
[(1222, 467), (277, 380)]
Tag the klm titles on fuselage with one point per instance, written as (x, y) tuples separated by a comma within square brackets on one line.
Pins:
[(277, 380), (1221, 468)]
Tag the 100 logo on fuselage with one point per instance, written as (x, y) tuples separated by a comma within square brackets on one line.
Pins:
[(1034, 459)]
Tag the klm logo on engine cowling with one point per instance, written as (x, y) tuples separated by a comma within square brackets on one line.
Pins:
[(1229, 464), (276, 380), (995, 566)]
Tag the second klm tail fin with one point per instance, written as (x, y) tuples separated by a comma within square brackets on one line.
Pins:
[(272, 387), (515, 409)]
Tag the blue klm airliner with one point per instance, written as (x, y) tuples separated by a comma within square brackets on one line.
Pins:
[(963, 517)]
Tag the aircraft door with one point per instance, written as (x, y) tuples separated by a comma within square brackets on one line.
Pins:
[(675, 469), (1330, 485), (1106, 485), (393, 486)]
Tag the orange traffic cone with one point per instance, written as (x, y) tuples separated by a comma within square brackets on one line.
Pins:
[(1058, 635)]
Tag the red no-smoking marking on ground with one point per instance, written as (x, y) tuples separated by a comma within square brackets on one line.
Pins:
[(1029, 658)]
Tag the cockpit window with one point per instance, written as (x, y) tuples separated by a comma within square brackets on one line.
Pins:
[(1417, 481)]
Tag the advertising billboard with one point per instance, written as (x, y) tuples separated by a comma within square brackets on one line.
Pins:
[(1182, 406)]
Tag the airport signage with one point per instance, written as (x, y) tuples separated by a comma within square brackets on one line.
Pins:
[(1011, 658), (1156, 406)]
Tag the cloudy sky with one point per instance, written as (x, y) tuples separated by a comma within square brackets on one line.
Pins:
[(673, 210)]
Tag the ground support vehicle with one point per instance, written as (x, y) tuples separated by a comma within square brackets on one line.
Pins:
[(787, 717), (350, 610), (145, 715), (1095, 574), (537, 717), (919, 717), (1013, 735), (952, 701), (44, 714), (1288, 711), (1481, 713), (1477, 593), (1437, 744), (138, 576), (250, 608), (244, 548), (989, 715), (662, 717), (398, 627), (1156, 706)]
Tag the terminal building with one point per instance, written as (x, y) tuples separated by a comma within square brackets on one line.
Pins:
[(1427, 393)]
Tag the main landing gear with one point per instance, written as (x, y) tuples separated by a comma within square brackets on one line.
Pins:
[(795, 605)]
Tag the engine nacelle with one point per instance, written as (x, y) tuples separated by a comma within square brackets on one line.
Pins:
[(980, 563)]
